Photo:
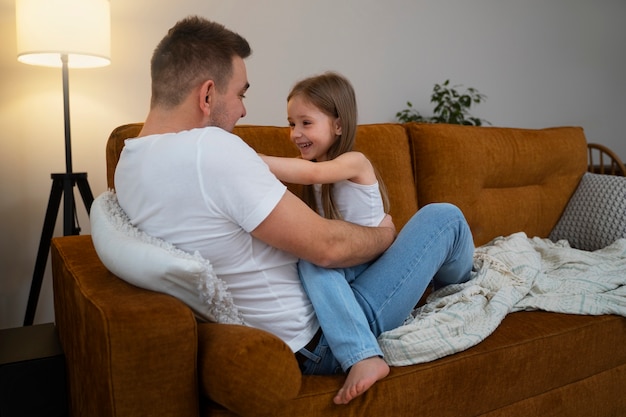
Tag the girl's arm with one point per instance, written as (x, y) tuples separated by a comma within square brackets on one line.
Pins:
[(353, 166)]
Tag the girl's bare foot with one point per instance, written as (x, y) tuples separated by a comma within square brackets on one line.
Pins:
[(360, 378)]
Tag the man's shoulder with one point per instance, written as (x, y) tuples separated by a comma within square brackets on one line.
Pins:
[(205, 136)]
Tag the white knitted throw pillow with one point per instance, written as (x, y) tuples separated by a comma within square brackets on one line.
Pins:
[(151, 263)]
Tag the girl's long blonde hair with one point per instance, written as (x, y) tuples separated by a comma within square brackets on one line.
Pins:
[(333, 95)]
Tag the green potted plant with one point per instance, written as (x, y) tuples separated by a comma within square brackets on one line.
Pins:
[(451, 106)]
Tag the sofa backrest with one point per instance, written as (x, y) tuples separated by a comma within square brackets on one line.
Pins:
[(114, 147), (505, 180), (385, 144)]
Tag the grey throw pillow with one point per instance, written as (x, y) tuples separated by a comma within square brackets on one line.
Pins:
[(595, 216)]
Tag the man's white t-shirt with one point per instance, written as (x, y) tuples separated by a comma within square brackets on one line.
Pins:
[(205, 190)]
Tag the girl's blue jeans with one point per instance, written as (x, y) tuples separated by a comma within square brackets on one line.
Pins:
[(355, 305)]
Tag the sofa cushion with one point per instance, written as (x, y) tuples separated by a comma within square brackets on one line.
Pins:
[(529, 354), (154, 264), (595, 216), (505, 180)]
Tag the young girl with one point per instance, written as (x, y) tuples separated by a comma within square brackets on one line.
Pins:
[(340, 184)]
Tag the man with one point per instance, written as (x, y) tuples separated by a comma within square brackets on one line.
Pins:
[(189, 181)]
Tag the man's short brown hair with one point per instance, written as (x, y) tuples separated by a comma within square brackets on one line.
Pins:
[(193, 51)]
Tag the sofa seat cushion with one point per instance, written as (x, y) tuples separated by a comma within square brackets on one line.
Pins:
[(529, 354), (485, 171)]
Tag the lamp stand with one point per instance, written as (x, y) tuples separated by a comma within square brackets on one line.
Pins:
[(62, 186)]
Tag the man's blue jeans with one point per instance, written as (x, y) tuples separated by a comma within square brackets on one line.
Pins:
[(355, 305)]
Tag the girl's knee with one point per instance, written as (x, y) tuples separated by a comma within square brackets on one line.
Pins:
[(443, 210)]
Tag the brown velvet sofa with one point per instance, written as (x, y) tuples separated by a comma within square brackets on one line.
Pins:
[(132, 352)]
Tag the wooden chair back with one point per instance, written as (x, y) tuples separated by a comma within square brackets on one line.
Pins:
[(603, 160)]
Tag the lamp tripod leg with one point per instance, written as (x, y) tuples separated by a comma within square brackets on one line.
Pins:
[(44, 247), (85, 190), (61, 183)]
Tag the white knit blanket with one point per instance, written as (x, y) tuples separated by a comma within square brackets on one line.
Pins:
[(510, 274)]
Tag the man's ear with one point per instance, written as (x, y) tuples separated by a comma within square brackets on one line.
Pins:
[(206, 96)]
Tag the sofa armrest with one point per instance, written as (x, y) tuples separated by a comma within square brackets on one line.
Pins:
[(249, 371), (129, 351)]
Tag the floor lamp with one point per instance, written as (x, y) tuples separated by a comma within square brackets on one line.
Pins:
[(66, 34)]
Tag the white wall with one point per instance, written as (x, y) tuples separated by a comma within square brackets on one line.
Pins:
[(541, 63)]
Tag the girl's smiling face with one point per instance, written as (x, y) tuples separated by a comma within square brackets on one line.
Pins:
[(312, 130)]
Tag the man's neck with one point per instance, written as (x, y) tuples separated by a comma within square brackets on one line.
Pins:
[(176, 120)]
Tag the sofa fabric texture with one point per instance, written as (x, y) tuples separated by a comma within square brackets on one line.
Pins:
[(134, 352)]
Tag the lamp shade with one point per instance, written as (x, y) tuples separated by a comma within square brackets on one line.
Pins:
[(79, 29)]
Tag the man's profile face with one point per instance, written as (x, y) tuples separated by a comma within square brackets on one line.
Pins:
[(228, 107)]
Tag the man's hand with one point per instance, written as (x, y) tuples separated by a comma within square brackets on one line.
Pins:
[(293, 227), (388, 222)]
